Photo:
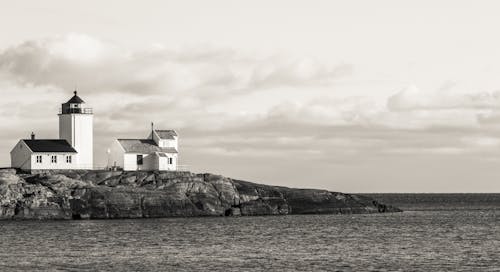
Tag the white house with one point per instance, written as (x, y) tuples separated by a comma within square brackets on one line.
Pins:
[(73, 149), (157, 152)]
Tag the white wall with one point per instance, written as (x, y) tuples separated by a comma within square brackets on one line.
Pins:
[(150, 162), (47, 162), (165, 142), (20, 156), (77, 129), (66, 128), (116, 156), (169, 143), (130, 162), (163, 163)]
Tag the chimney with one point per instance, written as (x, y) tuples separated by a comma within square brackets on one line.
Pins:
[(32, 135), (152, 130)]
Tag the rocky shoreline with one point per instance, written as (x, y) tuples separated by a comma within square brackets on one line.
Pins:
[(81, 194)]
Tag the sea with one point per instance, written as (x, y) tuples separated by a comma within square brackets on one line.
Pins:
[(436, 232)]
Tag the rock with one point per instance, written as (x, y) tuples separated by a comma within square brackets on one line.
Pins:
[(81, 194), (233, 212), (8, 177)]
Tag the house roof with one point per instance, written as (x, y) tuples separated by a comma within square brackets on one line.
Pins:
[(75, 99), (144, 146), (50, 146), (166, 134)]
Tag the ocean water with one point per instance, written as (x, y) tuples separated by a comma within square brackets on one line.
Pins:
[(415, 240)]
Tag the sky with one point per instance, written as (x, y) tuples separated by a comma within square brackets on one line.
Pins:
[(351, 96)]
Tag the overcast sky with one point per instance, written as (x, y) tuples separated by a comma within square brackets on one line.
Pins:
[(352, 96)]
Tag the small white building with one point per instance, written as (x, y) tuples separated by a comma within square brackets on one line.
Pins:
[(157, 152), (43, 154), (73, 149)]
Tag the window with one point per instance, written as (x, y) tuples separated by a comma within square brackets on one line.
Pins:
[(38, 159), (53, 159), (68, 159), (170, 160), (139, 160)]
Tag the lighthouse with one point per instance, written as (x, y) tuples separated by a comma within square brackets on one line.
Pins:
[(76, 127), (73, 149)]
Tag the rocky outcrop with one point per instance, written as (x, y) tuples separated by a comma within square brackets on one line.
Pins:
[(111, 194)]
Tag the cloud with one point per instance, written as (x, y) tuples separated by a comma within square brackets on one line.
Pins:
[(172, 87), (412, 98), (240, 112), (297, 72), (97, 66)]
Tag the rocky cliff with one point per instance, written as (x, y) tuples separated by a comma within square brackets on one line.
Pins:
[(106, 194)]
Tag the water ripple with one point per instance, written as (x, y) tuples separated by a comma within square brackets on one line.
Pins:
[(409, 241)]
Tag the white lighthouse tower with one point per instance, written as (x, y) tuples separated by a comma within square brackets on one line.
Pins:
[(76, 127)]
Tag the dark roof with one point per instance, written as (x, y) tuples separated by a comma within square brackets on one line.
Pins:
[(50, 146), (75, 99), (144, 146), (166, 134)]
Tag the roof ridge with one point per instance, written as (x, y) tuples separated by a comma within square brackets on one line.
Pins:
[(45, 140), (144, 146), (146, 139)]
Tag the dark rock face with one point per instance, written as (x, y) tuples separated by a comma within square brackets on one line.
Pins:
[(104, 194)]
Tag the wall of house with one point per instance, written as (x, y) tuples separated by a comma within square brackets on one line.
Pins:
[(173, 166), (130, 162), (150, 162), (20, 156), (77, 129), (66, 128), (163, 163), (165, 142), (47, 162), (169, 143), (116, 155)]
